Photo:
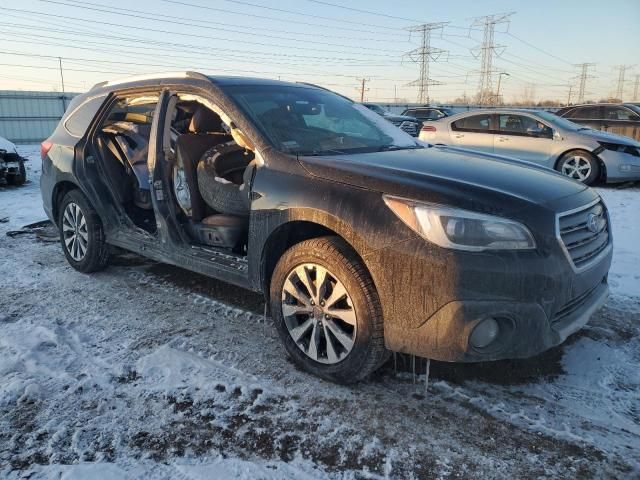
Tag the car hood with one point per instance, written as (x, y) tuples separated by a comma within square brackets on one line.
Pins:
[(7, 146), (598, 135), (436, 174)]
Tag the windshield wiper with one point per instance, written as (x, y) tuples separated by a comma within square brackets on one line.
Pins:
[(320, 152), (389, 148)]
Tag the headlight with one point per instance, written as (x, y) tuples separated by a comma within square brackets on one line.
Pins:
[(461, 229), (616, 147)]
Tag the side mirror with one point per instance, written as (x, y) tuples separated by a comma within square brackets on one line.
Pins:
[(241, 139)]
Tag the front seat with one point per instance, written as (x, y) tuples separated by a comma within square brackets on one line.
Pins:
[(205, 131)]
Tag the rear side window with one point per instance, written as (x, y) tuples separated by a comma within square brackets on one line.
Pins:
[(586, 113), (474, 123), (619, 113), (80, 118)]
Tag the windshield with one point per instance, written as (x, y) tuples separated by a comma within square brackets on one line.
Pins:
[(561, 122), (310, 121)]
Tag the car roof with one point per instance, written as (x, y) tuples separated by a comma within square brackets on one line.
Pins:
[(489, 111), (222, 80)]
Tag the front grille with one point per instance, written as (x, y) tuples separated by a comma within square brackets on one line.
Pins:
[(409, 127), (584, 233)]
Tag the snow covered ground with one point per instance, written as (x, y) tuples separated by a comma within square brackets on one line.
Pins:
[(149, 371)]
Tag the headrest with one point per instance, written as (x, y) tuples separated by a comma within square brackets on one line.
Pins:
[(205, 121)]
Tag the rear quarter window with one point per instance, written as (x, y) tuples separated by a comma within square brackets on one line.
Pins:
[(475, 123), (80, 118)]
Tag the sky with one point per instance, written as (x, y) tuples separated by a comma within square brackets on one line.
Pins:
[(330, 43)]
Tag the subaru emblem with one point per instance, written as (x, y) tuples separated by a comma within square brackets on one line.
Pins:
[(592, 222)]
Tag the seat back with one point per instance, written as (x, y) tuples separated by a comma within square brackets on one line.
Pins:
[(205, 131), (115, 168)]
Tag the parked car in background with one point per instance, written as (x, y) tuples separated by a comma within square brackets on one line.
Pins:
[(362, 240), (411, 125), (425, 114), (11, 164), (618, 118), (544, 138)]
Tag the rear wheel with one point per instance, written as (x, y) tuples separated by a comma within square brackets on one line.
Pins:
[(81, 234), (327, 310), (580, 165)]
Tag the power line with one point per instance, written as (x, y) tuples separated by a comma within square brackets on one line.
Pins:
[(206, 37), (362, 11), (423, 55), (486, 51), (175, 21), (282, 10)]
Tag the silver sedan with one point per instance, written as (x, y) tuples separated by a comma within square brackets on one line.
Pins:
[(543, 138)]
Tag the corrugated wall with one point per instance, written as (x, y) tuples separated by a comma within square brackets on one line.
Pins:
[(30, 117)]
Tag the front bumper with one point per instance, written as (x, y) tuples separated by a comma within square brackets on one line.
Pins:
[(621, 167), (432, 299), (525, 329)]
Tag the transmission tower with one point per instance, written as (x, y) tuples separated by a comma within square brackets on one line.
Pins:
[(636, 84), (584, 75), (486, 51), (423, 55), (622, 70)]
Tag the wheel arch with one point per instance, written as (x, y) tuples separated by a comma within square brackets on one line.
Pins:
[(58, 193), (601, 164), (288, 234)]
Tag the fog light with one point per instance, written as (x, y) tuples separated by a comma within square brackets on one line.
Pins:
[(484, 333)]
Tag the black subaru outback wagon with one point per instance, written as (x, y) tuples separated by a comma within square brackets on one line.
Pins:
[(363, 240)]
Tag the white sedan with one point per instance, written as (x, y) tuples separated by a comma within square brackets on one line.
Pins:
[(540, 137)]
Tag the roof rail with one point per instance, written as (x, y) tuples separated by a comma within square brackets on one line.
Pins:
[(151, 76)]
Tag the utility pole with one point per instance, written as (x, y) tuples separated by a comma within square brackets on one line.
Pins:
[(486, 50), (622, 70), (500, 81), (362, 88), (584, 75), (635, 88), (423, 55), (569, 98), (64, 105)]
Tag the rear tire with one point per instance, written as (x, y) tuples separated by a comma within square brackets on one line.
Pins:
[(579, 165), (81, 234), (345, 351), (20, 178)]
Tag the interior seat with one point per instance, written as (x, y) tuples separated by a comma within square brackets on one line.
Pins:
[(115, 167), (205, 131)]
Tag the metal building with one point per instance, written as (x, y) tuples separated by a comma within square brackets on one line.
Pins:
[(30, 117)]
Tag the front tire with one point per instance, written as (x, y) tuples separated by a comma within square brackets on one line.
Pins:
[(81, 234), (579, 165), (327, 312)]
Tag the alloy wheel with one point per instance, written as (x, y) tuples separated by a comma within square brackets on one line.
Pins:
[(74, 230), (577, 167), (318, 313)]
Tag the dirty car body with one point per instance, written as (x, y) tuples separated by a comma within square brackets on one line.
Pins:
[(471, 257)]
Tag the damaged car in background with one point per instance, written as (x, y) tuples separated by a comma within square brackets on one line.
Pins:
[(362, 240), (12, 168), (543, 138)]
